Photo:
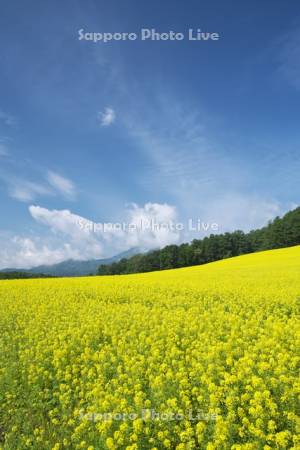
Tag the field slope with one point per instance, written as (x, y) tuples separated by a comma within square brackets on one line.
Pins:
[(195, 358)]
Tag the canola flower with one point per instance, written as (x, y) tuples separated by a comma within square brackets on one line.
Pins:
[(127, 362)]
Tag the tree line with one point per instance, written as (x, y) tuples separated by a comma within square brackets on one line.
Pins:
[(281, 232), (15, 275)]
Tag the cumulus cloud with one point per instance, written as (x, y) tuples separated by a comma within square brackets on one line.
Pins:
[(66, 226), (61, 184), (145, 227), (71, 236), (26, 252), (152, 221), (107, 117)]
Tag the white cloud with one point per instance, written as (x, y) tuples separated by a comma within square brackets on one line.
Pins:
[(147, 217), (62, 221), (107, 117), (67, 238), (94, 242), (66, 227), (61, 184), (25, 252)]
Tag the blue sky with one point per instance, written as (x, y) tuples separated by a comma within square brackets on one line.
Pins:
[(164, 130)]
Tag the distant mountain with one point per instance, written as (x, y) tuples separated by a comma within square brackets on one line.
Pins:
[(73, 268)]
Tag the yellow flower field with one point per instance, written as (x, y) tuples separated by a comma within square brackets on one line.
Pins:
[(196, 358)]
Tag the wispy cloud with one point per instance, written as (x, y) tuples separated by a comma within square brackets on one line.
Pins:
[(3, 149), (26, 191), (7, 119), (187, 164), (288, 57), (62, 184), (107, 117)]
